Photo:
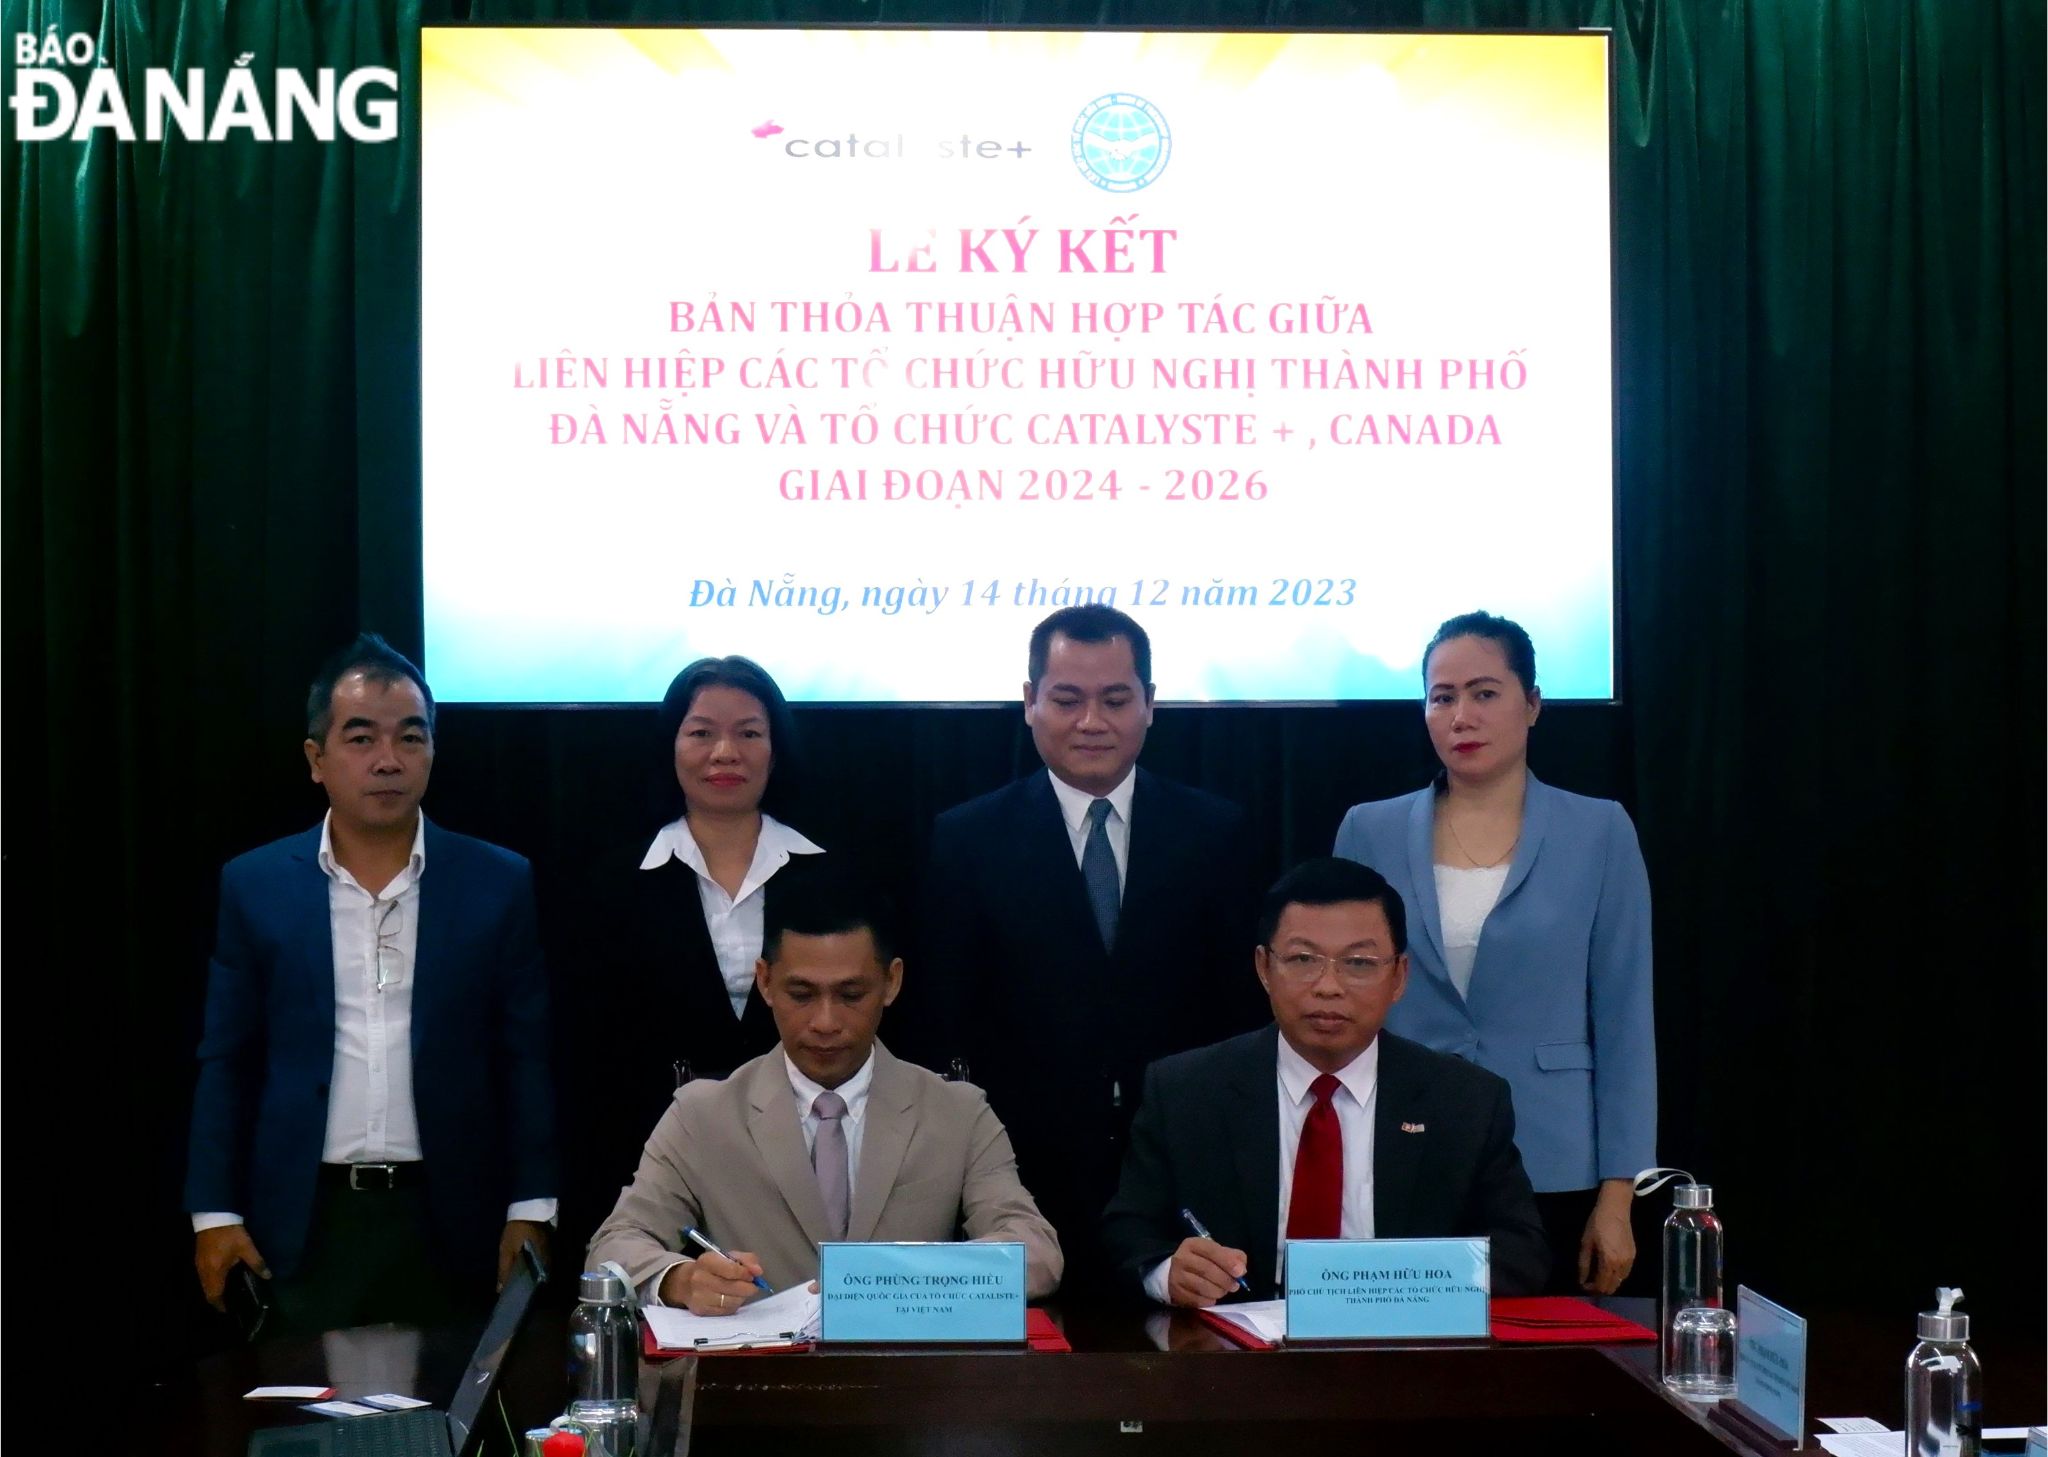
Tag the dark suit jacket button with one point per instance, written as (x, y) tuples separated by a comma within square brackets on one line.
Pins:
[(321, 1091)]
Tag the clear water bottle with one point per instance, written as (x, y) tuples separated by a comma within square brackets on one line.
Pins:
[(604, 1361), (1696, 1327), (1944, 1385)]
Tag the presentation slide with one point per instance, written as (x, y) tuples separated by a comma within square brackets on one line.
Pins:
[(860, 351)]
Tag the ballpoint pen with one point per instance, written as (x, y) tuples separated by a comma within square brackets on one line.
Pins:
[(1199, 1231), (694, 1237)]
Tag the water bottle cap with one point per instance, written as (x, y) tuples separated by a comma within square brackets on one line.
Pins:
[(1934, 1326), (602, 1287), (1692, 1196), (1686, 1191), (1946, 1323)]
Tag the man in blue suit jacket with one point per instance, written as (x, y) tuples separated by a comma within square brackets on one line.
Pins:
[(374, 1114)]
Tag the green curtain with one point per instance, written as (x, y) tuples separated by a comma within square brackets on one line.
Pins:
[(1828, 254)]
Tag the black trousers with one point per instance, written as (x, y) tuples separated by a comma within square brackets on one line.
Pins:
[(369, 1259)]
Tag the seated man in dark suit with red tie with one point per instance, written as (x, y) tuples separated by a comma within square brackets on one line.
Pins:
[(1321, 1126)]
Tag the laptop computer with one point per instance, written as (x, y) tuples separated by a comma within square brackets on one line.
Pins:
[(424, 1432)]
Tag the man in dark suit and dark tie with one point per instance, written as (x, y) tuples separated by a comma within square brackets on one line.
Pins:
[(1081, 922), (373, 1126), (1321, 1126)]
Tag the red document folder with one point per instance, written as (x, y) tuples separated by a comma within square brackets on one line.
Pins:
[(1040, 1334), (1233, 1332), (1546, 1319), (667, 1353), (1561, 1318)]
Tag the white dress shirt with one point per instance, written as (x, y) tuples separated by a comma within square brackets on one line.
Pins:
[(1359, 1087), (804, 1093), (1354, 1099), (370, 1113), (855, 1091), (370, 1116), (1465, 897), (1074, 810), (736, 922)]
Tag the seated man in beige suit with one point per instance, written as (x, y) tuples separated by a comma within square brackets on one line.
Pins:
[(827, 1137)]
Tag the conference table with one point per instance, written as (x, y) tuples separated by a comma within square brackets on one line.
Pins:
[(1136, 1381)]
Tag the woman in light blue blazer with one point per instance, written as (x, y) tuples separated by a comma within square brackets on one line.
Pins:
[(1529, 916)]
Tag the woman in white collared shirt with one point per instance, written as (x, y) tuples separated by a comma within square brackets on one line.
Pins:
[(666, 970)]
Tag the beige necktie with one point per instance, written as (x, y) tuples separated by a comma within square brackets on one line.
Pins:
[(828, 1162)]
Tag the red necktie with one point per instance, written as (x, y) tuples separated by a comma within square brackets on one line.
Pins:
[(1315, 1208)]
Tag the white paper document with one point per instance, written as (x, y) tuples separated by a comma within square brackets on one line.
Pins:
[(342, 1409), (783, 1319), (1862, 1444), (1265, 1319), (1866, 1437)]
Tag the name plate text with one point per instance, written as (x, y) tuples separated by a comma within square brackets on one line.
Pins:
[(1385, 1289), (1770, 1364), (933, 1293)]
